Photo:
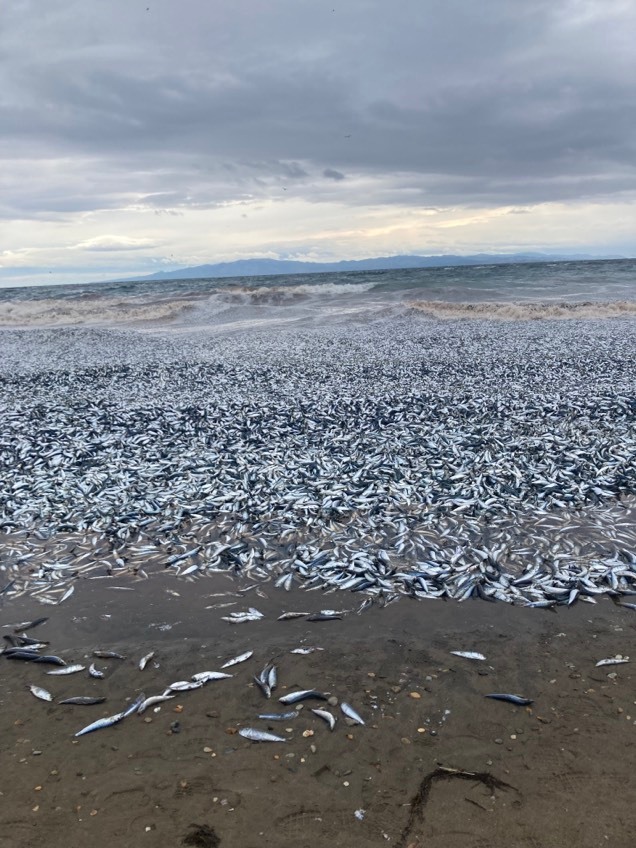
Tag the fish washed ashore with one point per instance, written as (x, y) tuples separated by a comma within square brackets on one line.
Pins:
[(400, 457)]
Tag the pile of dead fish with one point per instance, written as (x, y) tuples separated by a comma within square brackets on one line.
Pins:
[(463, 460)]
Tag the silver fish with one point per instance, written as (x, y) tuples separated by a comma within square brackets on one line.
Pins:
[(519, 700), (143, 662), (278, 716), (154, 699), (348, 710), (40, 693), (255, 735), (95, 672), (69, 669), (240, 617), (289, 616), (302, 695), (185, 685), (324, 616), (66, 594), (28, 625), (617, 660), (327, 716), (50, 660), (101, 722), (241, 658), (305, 651), (263, 685), (207, 676), (109, 721), (83, 701), (272, 677), (469, 655)]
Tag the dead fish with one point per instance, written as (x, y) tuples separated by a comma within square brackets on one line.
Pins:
[(66, 594), (185, 685), (207, 676), (272, 677), (263, 685), (350, 713), (255, 735), (519, 700), (49, 660), (267, 679), (28, 625), (95, 672), (114, 719), (69, 669), (302, 695), (40, 693), (27, 642), (20, 654), (143, 662), (619, 659), (108, 655), (240, 617), (305, 651), (278, 716), (83, 701), (154, 699), (241, 658), (323, 616), (289, 616), (134, 706), (327, 716), (469, 655)]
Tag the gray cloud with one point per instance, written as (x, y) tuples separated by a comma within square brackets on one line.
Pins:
[(200, 104)]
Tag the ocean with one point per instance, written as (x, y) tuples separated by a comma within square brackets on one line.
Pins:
[(507, 292)]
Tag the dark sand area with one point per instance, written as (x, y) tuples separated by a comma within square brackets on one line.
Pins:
[(568, 760)]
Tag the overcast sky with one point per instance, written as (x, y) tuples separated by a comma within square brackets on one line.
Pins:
[(140, 136)]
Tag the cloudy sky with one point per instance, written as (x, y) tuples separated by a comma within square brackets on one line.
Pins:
[(141, 136)]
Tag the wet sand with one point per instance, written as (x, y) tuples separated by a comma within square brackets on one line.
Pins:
[(568, 760)]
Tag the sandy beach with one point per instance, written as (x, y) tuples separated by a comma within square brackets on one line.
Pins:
[(566, 760)]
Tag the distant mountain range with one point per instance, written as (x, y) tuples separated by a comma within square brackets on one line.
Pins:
[(268, 267)]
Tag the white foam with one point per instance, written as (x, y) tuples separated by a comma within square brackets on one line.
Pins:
[(96, 311), (516, 311)]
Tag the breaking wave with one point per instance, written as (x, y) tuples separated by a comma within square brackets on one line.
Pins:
[(516, 311), (96, 311), (229, 304), (283, 295)]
